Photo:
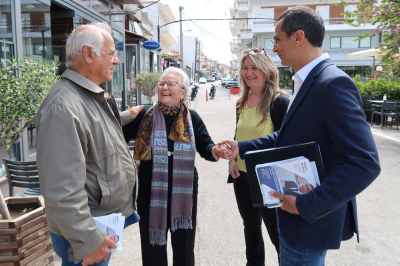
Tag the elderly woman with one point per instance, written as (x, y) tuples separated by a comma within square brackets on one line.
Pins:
[(167, 138)]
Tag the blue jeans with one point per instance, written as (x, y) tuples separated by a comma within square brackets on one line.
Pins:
[(61, 245), (292, 256)]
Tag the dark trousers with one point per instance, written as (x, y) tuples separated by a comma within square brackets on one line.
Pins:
[(182, 240), (252, 217)]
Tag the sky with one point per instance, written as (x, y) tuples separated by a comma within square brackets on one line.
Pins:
[(215, 35)]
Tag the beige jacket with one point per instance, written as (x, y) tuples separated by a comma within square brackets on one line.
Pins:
[(85, 167)]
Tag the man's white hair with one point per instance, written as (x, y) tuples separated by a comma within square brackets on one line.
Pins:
[(92, 36)]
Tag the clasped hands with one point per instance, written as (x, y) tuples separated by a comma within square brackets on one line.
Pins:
[(229, 149), (226, 149)]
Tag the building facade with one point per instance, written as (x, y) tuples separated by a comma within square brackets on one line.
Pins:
[(39, 28), (339, 37)]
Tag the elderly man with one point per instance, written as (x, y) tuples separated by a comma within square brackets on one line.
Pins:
[(85, 166)]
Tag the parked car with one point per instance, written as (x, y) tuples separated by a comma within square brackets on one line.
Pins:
[(202, 80), (210, 79), (231, 83)]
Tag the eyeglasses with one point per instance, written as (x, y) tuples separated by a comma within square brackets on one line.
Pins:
[(276, 39), (255, 50), (170, 84)]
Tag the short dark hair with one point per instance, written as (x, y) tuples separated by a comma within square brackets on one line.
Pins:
[(306, 19)]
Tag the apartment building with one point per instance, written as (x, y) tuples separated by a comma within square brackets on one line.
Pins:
[(339, 37), (190, 44)]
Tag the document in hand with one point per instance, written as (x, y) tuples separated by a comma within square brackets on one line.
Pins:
[(283, 155), (291, 177), (113, 226)]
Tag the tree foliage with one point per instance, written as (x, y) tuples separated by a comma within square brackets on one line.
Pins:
[(147, 83), (201, 73), (24, 83), (386, 17)]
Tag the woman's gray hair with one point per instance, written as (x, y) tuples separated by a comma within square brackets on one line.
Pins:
[(185, 84), (88, 36)]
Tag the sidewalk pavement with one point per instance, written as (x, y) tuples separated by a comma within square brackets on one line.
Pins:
[(219, 237)]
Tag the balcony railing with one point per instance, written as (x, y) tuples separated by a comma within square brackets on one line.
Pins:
[(244, 31), (243, 3), (331, 21), (146, 19)]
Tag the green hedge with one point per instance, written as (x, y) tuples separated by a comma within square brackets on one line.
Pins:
[(376, 88)]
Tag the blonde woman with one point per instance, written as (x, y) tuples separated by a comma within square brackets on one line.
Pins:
[(260, 111)]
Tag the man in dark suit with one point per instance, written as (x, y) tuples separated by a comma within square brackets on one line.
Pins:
[(326, 107)]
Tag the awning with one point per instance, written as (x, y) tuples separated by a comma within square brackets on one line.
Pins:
[(133, 37), (133, 2), (376, 53), (338, 57)]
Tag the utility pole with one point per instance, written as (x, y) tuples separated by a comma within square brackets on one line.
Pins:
[(181, 38), (195, 60)]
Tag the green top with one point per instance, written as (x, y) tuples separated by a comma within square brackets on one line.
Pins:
[(247, 129)]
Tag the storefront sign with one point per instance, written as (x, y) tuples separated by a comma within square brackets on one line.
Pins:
[(119, 46), (151, 45)]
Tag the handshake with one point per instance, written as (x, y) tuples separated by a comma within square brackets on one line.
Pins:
[(226, 149)]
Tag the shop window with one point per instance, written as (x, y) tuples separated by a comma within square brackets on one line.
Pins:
[(350, 42), (5, 21), (365, 43), (335, 42), (6, 51), (36, 30), (268, 44)]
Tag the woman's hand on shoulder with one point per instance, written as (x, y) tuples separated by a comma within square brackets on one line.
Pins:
[(233, 169)]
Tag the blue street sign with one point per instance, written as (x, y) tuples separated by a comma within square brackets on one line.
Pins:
[(119, 46), (151, 45)]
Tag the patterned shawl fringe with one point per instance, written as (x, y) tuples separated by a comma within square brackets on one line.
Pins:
[(180, 222), (157, 237)]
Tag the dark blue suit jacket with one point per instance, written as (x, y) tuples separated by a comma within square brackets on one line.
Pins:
[(327, 109)]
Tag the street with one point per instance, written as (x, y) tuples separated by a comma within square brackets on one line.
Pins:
[(219, 238)]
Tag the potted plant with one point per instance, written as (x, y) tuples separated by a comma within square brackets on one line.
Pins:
[(25, 237), (147, 84), (24, 82)]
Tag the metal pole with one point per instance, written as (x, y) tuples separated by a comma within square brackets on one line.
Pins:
[(43, 44), (158, 33), (195, 61), (181, 39)]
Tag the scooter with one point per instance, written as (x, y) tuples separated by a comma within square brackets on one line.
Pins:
[(195, 89), (212, 91)]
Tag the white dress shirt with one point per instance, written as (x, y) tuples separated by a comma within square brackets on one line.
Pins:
[(302, 74)]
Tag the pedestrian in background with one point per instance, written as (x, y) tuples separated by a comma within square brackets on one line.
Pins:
[(85, 168), (260, 112)]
